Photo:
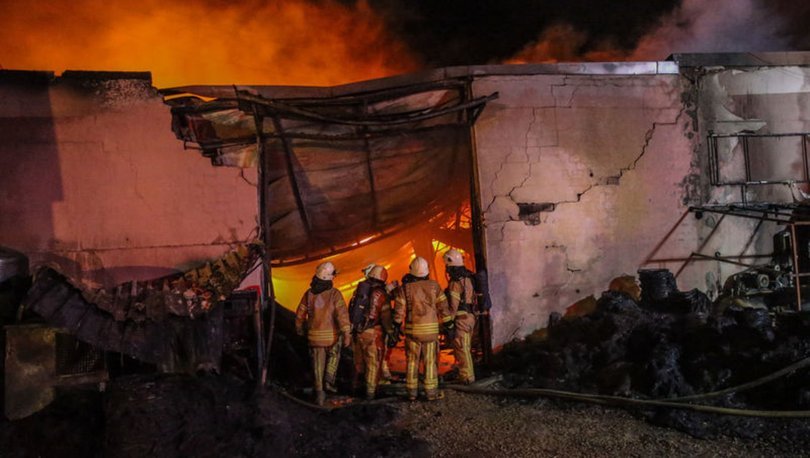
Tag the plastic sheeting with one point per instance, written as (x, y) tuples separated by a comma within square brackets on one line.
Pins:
[(342, 171)]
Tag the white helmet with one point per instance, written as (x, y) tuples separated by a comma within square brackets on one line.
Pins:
[(366, 270), (378, 272), (453, 258), (325, 271), (419, 267)]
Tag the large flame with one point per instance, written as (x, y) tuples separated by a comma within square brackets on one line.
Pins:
[(204, 41)]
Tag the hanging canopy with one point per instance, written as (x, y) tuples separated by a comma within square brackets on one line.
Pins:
[(343, 170)]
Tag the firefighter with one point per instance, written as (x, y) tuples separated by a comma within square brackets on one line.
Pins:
[(370, 313), (421, 305), (461, 303), (322, 316)]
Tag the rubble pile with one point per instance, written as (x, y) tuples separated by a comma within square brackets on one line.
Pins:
[(668, 345)]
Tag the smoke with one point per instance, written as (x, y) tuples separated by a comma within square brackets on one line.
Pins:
[(328, 42), (693, 26), (205, 41), (716, 26)]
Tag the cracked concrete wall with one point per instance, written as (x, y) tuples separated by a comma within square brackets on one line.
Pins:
[(610, 156), (94, 180)]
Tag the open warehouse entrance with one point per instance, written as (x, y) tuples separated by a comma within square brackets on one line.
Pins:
[(356, 178)]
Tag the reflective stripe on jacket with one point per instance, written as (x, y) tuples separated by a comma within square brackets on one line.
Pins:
[(323, 316), (461, 296), (421, 305)]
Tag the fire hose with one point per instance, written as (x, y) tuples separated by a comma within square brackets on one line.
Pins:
[(674, 403)]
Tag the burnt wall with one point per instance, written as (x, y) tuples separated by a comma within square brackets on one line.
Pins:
[(94, 180)]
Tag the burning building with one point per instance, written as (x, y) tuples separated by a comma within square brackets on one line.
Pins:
[(557, 177), (554, 178)]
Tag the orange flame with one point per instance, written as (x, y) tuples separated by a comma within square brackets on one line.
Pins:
[(563, 43), (204, 41)]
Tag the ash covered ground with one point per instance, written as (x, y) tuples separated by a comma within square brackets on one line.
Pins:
[(176, 416), (647, 349)]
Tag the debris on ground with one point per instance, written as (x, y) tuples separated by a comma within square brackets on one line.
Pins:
[(669, 345)]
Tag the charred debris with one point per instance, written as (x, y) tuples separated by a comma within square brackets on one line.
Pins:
[(178, 359)]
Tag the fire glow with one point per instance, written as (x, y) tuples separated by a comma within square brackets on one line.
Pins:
[(205, 42)]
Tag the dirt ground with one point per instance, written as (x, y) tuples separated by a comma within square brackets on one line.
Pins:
[(176, 416), (463, 425)]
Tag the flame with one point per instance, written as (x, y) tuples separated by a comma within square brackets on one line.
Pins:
[(564, 43), (205, 41)]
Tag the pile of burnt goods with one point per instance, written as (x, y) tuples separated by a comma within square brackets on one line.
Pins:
[(670, 344), (178, 415)]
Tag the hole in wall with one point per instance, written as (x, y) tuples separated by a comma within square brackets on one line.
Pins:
[(529, 213)]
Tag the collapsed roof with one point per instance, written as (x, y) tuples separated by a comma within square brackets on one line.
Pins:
[(341, 170)]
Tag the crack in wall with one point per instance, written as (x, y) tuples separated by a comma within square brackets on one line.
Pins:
[(648, 136), (604, 180), (507, 161)]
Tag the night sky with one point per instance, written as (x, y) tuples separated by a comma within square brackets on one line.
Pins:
[(460, 32), (327, 42)]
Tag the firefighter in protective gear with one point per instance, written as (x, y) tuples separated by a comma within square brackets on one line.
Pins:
[(368, 333), (421, 305), (461, 300), (322, 316)]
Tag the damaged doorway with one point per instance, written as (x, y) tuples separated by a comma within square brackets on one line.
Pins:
[(348, 175)]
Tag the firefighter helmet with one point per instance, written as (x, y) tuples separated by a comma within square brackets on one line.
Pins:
[(325, 271), (419, 267), (366, 270), (378, 272), (453, 258)]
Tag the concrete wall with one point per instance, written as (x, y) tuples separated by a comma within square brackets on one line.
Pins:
[(609, 157), (93, 179), (603, 159), (612, 162)]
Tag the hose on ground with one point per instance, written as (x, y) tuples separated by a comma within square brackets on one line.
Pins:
[(745, 386), (623, 402), (675, 403)]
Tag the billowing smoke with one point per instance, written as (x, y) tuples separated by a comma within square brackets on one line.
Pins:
[(715, 26), (327, 42), (692, 26)]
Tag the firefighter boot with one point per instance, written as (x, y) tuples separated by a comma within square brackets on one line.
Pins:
[(434, 395), (320, 398)]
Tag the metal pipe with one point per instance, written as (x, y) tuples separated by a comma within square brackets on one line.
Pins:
[(702, 246), (476, 223), (712, 258), (288, 154), (666, 237), (795, 243), (277, 108), (261, 190)]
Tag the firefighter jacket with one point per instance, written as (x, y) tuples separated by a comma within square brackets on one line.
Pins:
[(421, 305), (461, 297), (322, 317)]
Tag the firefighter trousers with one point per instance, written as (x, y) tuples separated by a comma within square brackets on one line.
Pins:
[(462, 343), (368, 348), (324, 365), (425, 352)]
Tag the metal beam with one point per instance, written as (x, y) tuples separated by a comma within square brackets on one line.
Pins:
[(288, 152)]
